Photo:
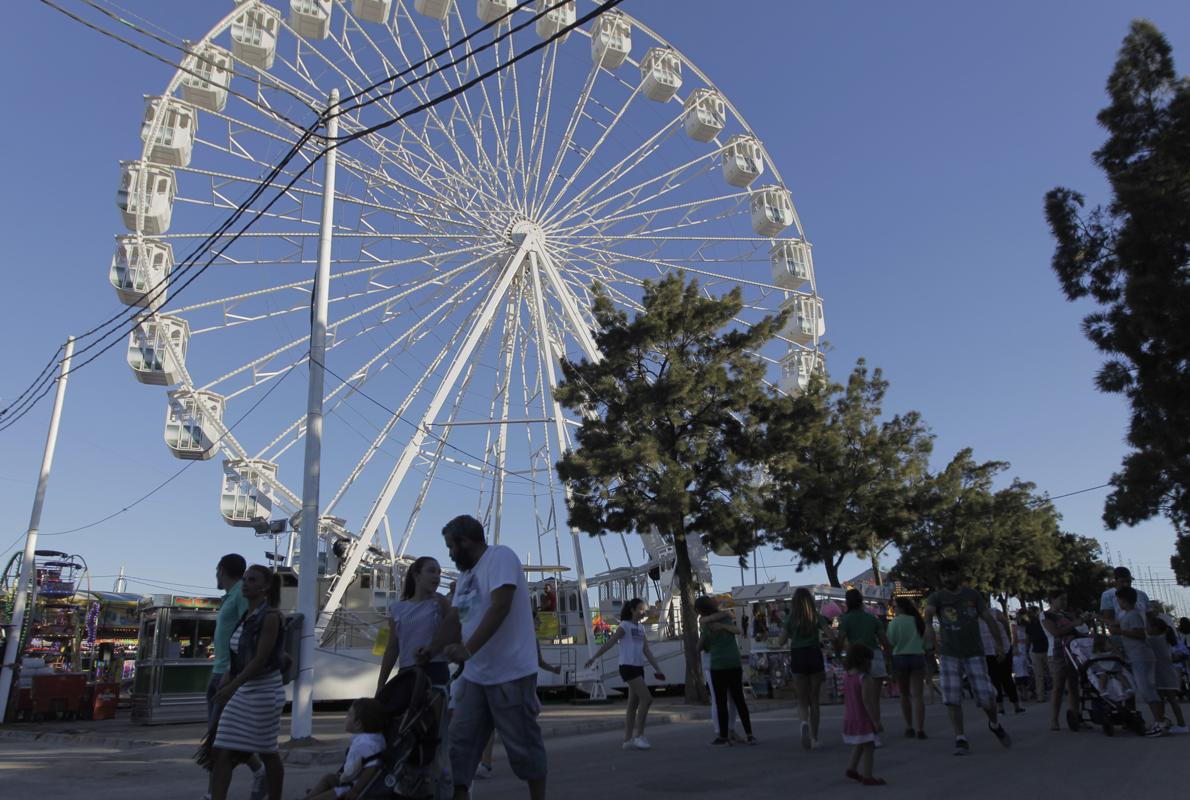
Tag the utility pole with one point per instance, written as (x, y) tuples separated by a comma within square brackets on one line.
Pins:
[(302, 721), (12, 650)]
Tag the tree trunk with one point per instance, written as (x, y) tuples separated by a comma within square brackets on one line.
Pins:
[(832, 573), (696, 689)]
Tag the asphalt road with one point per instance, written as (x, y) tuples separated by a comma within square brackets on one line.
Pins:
[(681, 763)]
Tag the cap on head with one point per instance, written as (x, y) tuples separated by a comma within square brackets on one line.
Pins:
[(1122, 574)]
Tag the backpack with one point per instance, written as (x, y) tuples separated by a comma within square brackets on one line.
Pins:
[(291, 647)]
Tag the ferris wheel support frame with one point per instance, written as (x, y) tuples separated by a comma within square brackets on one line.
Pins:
[(302, 721), (359, 545), (13, 640)]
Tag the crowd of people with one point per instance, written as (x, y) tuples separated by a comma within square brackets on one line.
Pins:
[(485, 624)]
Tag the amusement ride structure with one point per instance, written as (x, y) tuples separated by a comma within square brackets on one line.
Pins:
[(461, 247)]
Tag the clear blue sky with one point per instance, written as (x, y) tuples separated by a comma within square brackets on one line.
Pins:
[(918, 140)]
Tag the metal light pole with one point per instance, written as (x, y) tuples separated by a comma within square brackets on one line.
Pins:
[(303, 691), (13, 642)]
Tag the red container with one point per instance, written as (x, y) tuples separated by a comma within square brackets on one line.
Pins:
[(61, 693), (104, 697)]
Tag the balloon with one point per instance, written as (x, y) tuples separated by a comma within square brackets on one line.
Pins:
[(831, 609)]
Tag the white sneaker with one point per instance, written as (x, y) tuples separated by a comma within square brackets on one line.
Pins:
[(878, 742), (642, 743), (483, 772), (630, 744), (260, 789), (1178, 729), (815, 744)]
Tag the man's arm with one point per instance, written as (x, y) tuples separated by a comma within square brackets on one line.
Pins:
[(928, 638), (994, 626), (501, 604)]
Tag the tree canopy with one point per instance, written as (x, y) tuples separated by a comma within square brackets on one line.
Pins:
[(667, 434), (839, 478), (1132, 257)]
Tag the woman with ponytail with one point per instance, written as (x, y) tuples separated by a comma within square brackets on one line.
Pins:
[(413, 622), (905, 634)]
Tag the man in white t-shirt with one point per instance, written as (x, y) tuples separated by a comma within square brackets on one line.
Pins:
[(498, 650), (1109, 607)]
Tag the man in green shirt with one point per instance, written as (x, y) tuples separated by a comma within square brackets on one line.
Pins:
[(229, 576), (857, 626), (958, 609)]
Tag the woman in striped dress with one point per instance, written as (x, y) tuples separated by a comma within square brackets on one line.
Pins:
[(252, 700)]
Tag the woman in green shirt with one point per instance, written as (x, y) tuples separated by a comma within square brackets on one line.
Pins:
[(803, 630), (909, 663), (717, 632)]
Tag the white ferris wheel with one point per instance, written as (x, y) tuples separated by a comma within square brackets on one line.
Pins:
[(466, 240)]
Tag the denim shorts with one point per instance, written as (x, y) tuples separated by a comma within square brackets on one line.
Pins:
[(910, 662), (509, 709)]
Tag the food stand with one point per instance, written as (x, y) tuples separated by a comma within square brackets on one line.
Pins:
[(175, 654)]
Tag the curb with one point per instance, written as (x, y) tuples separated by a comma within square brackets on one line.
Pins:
[(79, 738), (334, 754)]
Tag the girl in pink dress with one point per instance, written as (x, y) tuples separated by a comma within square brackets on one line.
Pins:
[(858, 728)]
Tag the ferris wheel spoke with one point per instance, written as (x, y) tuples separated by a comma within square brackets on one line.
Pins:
[(684, 266), (421, 91), (669, 181), (650, 215), (538, 133), (383, 359), (625, 165), (384, 306), (350, 124), (591, 153), (388, 65), (542, 196)]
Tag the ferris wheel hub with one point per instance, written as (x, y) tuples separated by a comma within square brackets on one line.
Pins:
[(521, 229)]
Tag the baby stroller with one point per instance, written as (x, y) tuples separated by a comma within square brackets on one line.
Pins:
[(1107, 697), (411, 766)]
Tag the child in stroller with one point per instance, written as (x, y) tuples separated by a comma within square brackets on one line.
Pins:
[(366, 721), (412, 763), (1107, 695)]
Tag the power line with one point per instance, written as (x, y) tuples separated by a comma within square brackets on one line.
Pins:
[(172, 477), (15, 411), (167, 62)]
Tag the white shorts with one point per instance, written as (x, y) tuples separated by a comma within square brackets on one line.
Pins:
[(879, 669)]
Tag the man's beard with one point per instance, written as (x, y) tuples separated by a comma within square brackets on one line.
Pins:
[(464, 561)]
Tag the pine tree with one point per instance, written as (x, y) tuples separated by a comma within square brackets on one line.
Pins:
[(840, 481), (1132, 257), (666, 435)]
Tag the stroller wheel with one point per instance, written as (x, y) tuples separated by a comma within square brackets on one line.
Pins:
[(1074, 719), (1109, 729)]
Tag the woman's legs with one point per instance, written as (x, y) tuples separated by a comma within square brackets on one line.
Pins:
[(903, 689), (815, 692), (630, 713), (1009, 683), (735, 686), (719, 681), (221, 774), (274, 770), (1060, 680), (917, 685), (994, 675), (1170, 696), (644, 699), (486, 758)]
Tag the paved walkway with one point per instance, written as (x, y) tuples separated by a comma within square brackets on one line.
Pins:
[(592, 766)]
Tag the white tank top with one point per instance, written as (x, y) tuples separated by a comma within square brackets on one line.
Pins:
[(632, 644)]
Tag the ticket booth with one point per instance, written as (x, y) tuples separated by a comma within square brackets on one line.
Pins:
[(175, 655)]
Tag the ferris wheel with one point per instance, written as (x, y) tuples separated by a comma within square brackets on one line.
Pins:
[(467, 241)]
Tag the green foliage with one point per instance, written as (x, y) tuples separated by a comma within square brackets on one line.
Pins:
[(1008, 541), (666, 438), (840, 480), (1133, 259)]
